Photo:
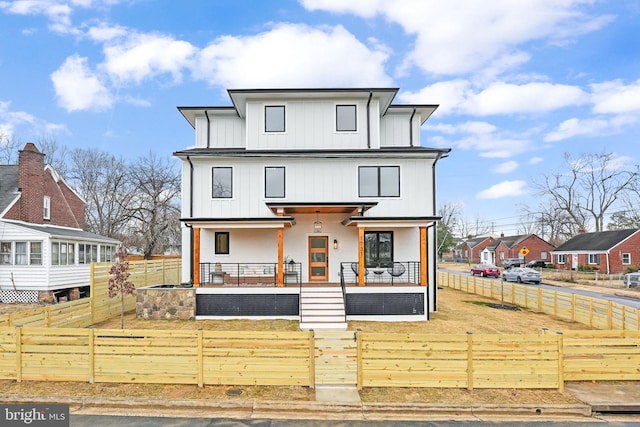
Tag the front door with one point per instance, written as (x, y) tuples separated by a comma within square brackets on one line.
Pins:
[(318, 258)]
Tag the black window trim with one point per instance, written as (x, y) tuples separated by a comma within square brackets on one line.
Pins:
[(284, 118), (213, 196), (378, 191), (284, 182), (355, 117), (217, 250), (378, 233)]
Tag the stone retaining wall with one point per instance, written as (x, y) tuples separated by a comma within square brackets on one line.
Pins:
[(166, 303)]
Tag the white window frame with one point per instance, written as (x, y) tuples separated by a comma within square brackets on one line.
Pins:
[(593, 259), (626, 255), (46, 207), (561, 258)]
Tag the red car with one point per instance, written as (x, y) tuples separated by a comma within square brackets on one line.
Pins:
[(485, 270)]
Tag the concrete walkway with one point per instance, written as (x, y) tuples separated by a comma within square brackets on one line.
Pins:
[(607, 397)]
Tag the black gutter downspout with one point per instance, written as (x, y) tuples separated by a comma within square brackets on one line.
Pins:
[(411, 128), (435, 245), (206, 114), (369, 120), (190, 216)]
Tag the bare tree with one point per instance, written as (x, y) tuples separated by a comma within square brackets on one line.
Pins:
[(473, 227), (154, 210), (102, 180), (584, 193), (9, 146), (56, 155)]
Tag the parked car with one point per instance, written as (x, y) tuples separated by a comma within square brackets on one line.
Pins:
[(521, 275), (511, 262), (537, 263), (485, 270), (632, 280)]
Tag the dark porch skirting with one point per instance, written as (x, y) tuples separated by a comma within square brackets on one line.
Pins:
[(385, 304), (282, 303)]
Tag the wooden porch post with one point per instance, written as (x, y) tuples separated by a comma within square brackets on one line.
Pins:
[(196, 256), (361, 278), (423, 256), (280, 257)]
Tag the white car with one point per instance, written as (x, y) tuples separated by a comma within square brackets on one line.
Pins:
[(632, 280), (522, 274)]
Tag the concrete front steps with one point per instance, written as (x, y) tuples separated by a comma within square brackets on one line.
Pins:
[(322, 308)]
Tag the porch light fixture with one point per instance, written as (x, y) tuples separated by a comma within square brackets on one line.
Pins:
[(335, 243), (317, 225)]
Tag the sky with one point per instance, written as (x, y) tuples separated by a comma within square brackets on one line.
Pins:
[(518, 83)]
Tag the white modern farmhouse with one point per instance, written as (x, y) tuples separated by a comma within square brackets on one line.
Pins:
[(317, 204)]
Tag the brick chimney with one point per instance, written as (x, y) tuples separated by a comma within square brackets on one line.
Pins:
[(31, 183)]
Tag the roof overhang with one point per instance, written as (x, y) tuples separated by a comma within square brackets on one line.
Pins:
[(371, 222), (423, 110), (270, 222), (323, 208)]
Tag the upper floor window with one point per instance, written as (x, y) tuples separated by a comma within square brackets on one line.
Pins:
[(274, 118), (346, 118), (221, 183), (46, 207), (379, 181), (274, 182)]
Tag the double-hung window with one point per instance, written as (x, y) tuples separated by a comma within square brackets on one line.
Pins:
[(46, 207), (274, 118), (5, 253), (593, 259), (274, 182), (346, 119), (626, 258), (379, 181), (222, 182)]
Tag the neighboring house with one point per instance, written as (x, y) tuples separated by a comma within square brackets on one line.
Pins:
[(510, 247), (319, 180), (471, 249), (44, 253), (608, 251)]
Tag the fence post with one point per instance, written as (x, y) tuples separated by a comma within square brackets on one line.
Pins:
[(19, 353), (312, 360), (92, 291), (200, 355), (470, 360), (92, 355), (359, 360), (560, 362)]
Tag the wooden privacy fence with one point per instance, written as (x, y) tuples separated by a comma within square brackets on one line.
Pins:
[(595, 312), (98, 307), (296, 358), (168, 357)]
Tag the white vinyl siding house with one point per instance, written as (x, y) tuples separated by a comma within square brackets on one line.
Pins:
[(284, 173)]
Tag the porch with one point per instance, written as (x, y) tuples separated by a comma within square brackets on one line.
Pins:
[(265, 274)]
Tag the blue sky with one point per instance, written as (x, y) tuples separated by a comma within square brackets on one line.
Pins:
[(518, 83)]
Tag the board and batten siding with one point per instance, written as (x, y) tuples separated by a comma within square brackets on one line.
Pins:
[(311, 125), (396, 129), (309, 180), (225, 131)]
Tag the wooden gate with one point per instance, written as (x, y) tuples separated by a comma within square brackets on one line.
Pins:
[(336, 358)]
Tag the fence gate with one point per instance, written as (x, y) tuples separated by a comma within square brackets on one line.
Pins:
[(336, 358)]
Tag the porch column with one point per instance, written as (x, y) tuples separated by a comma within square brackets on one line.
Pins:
[(280, 257), (423, 256), (361, 277), (196, 256)]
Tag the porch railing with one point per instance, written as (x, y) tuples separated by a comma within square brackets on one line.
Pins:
[(248, 273), (384, 273)]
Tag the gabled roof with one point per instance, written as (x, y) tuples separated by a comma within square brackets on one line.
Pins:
[(599, 241), (8, 186), (510, 241), (472, 243)]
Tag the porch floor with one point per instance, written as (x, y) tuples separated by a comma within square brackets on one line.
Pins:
[(307, 285)]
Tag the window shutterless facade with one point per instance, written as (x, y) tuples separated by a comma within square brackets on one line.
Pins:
[(62, 253), (274, 118), (561, 258), (593, 259), (46, 207), (346, 118), (222, 243), (5, 253), (379, 181), (274, 182), (626, 258), (222, 182), (20, 253)]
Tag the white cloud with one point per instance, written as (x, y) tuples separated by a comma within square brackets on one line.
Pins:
[(505, 167), (467, 36), (616, 98), (504, 189), (589, 127), (78, 88), (535, 160), (104, 32), (10, 121), (291, 55), (144, 56)]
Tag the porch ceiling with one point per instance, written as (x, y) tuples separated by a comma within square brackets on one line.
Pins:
[(323, 208), (390, 221)]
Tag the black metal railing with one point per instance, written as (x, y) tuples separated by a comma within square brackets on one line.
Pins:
[(392, 273), (248, 273)]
